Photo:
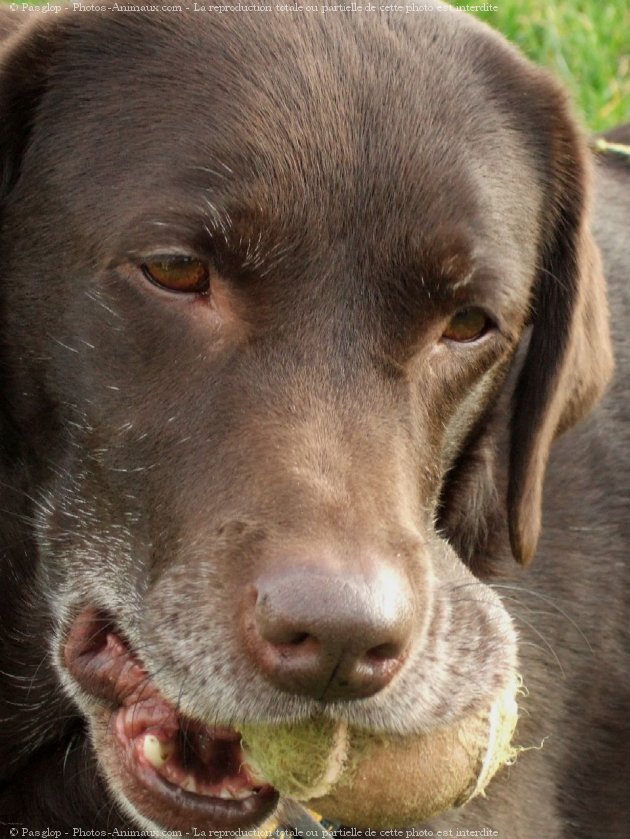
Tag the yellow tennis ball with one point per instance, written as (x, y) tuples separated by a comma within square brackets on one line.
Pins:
[(363, 779)]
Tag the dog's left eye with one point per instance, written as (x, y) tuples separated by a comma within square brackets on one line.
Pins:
[(467, 325), (183, 274)]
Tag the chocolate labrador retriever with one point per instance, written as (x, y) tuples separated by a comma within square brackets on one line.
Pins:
[(292, 309)]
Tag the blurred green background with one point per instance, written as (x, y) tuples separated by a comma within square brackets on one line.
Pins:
[(586, 43)]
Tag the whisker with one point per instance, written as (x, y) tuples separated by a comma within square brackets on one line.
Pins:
[(550, 602)]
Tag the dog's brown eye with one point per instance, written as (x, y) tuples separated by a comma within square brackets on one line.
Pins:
[(467, 325), (178, 273)]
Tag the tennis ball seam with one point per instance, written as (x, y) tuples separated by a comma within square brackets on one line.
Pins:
[(499, 751), (336, 762)]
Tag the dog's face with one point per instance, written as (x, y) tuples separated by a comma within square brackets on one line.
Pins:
[(264, 280)]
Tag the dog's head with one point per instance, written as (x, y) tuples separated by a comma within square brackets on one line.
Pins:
[(278, 294)]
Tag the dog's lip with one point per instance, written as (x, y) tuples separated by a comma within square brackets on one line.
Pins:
[(129, 710)]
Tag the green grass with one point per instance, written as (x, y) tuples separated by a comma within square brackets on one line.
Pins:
[(586, 43)]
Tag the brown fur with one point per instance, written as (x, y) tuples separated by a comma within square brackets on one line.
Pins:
[(355, 180)]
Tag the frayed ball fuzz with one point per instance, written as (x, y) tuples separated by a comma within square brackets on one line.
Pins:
[(363, 779)]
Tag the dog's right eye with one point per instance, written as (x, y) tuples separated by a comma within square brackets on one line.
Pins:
[(182, 274)]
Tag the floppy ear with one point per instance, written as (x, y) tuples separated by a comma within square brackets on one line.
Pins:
[(569, 360), (556, 378), (27, 47), (24, 59)]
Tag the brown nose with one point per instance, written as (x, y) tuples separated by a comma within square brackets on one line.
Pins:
[(328, 636)]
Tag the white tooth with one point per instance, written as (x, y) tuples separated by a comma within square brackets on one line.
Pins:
[(225, 793), (156, 753), (242, 794), (189, 784)]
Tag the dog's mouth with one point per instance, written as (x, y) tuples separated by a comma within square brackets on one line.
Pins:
[(175, 772)]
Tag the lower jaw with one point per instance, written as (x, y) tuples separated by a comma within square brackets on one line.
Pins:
[(166, 770), (143, 791)]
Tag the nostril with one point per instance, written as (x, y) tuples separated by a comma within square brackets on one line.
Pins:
[(383, 652), (278, 626), (298, 639)]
